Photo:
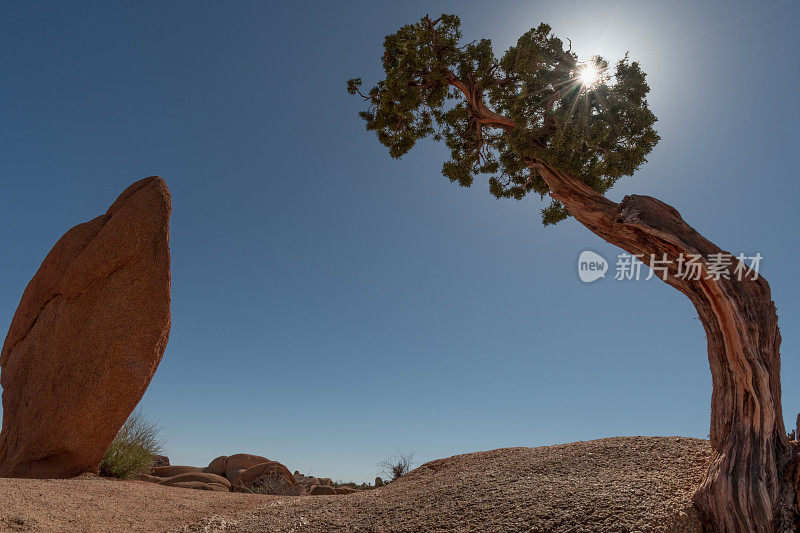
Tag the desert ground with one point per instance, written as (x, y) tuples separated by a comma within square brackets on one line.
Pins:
[(619, 484)]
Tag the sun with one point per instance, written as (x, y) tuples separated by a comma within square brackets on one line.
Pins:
[(589, 75)]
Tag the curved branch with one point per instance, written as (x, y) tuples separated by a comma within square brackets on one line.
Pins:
[(478, 109)]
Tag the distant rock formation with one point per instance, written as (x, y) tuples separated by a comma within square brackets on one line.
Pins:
[(87, 337), (240, 471)]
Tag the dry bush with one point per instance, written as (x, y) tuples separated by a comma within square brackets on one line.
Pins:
[(133, 449), (275, 485), (398, 465)]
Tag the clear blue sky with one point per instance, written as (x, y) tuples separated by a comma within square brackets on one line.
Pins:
[(331, 305)]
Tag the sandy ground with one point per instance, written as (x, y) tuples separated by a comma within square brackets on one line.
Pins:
[(94, 504), (620, 484)]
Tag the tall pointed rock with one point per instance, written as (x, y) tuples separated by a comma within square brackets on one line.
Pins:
[(87, 337)]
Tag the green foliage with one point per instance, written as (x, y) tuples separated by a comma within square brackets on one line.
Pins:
[(498, 116), (132, 450)]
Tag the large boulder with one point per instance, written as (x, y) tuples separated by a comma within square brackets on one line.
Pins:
[(266, 470), (238, 463), (87, 337), (243, 460), (217, 466), (234, 476)]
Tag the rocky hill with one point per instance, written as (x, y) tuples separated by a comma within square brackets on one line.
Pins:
[(620, 484)]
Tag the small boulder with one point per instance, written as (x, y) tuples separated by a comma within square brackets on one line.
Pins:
[(345, 490), (378, 482), (160, 460), (197, 476), (198, 485), (321, 490), (169, 471)]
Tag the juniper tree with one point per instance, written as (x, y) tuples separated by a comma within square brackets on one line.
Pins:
[(537, 120)]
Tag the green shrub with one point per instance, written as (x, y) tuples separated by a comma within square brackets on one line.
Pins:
[(131, 453)]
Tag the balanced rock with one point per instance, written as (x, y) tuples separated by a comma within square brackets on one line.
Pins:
[(87, 337)]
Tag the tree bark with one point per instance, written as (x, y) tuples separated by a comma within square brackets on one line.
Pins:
[(750, 484)]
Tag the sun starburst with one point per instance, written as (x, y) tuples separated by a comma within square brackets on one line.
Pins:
[(589, 75)]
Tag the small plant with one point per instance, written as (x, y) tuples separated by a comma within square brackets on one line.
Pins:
[(133, 449), (398, 465), (352, 485)]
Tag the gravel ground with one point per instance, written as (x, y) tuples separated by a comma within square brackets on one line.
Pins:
[(93, 504), (620, 484)]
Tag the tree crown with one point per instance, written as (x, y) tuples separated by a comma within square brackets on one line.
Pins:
[(499, 116)]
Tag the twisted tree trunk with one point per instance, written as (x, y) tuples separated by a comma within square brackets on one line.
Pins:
[(751, 483)]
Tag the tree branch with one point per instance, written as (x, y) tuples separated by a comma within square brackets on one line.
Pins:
[(477, 107)]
